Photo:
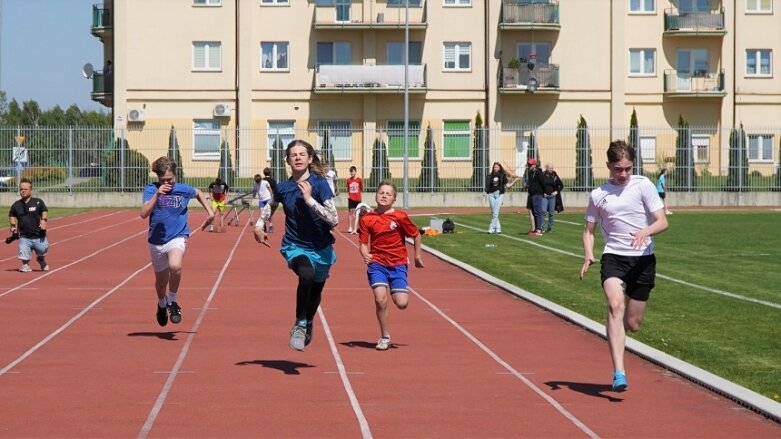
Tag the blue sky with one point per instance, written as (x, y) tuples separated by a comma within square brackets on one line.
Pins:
[(45, 43)]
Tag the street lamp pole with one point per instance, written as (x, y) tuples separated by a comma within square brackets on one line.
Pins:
[(405, 202)]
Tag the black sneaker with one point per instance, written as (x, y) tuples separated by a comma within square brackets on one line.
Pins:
[(308, 337), (162, 316), (176, 312)]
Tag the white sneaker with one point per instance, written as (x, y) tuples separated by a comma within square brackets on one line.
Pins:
[(350, 230), (43, 264), (383, 344), (25, 269)]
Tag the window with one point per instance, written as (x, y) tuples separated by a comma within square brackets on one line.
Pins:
[(396, 139), (540, 50), (701, 147), (339, 53), (207, 2), (458, 56), (686, 6), (273, 2), (339, 136), (648, 148), (759, 62), (642, 6), (206, 138), (692, 62), (395, 51), (760, 147), (280, 133), (400, 3), (273, 56), (456, 141), (207, 55), (763, 6), (642, 62), (458, 2)]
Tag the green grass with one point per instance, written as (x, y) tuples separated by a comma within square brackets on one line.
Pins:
[(732, 252)]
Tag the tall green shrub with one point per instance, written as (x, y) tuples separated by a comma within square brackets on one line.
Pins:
[(327, 150), (226, 171), (777, 186), (684, 177), (737, 173), (125, 169), (380, 166), (278, 170), (584, 175), (429, 170), (175, 152), (634, 140), (480, 156)]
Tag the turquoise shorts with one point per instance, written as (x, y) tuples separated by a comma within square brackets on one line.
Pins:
[(321, 260)]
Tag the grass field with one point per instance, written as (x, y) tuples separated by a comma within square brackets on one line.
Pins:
[(717, 301)]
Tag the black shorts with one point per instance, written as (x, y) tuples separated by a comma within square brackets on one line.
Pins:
[(352, 204), (637, 272), (661, 195)]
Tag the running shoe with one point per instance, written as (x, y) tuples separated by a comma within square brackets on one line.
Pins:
[(297, 338), (25, 269), (619, 381), (43, 264), (383, 344), (309, 329), (162, 316), (176, 312)]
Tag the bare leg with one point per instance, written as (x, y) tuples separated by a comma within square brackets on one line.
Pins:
[(161, 282), (531, 220), (175, 257), (616, 334), (381, 307)]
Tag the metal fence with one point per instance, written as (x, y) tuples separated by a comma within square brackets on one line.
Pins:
[(451, 158)]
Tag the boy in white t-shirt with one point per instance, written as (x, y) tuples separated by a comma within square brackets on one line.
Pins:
[(331, 177), (630, 213)]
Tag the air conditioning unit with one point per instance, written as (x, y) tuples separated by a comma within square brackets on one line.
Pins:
[(222, 110), (135, 116)]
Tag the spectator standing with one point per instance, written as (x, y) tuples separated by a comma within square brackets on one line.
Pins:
[(354, 196), (28, 217), (552, 187)]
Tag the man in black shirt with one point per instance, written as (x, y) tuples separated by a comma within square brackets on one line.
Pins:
[(28, 218)]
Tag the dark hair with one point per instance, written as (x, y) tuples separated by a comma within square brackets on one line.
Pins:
[(267, 172), (353, 168), (316, 167), (662, 171), (26, 180), (163, 164), (501, 168), (618, 150), (257, 178)]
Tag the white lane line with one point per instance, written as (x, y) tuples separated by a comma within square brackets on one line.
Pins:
[(665, 277), (72, 320), (49, 273), (177, 369), (86, 220)]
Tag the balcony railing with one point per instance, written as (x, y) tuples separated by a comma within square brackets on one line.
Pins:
[(517, 79), (527, 15), (694, 23), (698, 83), (368, 78), (370, 14), (101, 21), (102, 88)]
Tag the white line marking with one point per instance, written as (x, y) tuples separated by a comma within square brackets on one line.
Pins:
[(176, 370), (86, 220), (665, 277)]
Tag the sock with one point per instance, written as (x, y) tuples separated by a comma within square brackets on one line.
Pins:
[(301, 322), (171, 297), (162, 303), (386, 337)]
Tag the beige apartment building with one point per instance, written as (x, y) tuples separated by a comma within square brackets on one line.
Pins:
[(247, 71)]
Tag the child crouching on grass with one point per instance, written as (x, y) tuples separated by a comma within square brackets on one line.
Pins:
[(382, 233)]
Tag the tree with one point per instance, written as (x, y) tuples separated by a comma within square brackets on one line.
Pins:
[(683, 176), (380, 166), (175, 153), (226, 171), (278, 171), (429, 171), (480, 158), (777, 186), (532, 152), (737, 173), (125, 169), (327, 150), (634, 140), (584, 177)]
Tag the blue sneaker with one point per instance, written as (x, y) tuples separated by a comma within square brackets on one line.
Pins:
[(619, 381)]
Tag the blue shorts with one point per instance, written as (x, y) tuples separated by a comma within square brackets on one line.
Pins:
[(321, 260), (262, 203), (395, 277), (28, 245)]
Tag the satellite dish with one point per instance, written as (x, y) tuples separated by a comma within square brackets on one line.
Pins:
[(87, 70)]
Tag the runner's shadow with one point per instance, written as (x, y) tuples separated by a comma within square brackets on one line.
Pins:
[(367, 345), (590, 389), (288, 367), (169, 335)]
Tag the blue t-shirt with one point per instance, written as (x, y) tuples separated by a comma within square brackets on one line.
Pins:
[(303, 227), (660, 183), (168, 219)]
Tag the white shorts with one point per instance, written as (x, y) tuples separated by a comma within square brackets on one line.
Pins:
[(159, 253)]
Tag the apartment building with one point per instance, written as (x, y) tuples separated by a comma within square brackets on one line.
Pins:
[(251, 71)]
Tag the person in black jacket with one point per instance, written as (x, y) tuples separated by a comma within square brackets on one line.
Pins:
[(495, 184), (535, 186), (552, 187)]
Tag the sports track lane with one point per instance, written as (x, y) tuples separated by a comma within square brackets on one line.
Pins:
[(107, 373)]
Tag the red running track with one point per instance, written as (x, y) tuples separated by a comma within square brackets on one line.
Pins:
[(82, 355)]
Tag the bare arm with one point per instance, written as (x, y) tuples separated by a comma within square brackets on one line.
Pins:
[(418, 246), (260, 226), (659, 225), (205, 203), (149, 205), (588, 248), (364, 250)]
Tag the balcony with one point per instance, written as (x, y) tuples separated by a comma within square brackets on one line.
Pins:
[(371, 15), (369, 79), (696, 84), (102, 89), (527, 15), (516, 79), (101, 22), (687, 24)]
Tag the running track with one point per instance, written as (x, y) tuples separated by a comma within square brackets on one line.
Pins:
[(82, 356)]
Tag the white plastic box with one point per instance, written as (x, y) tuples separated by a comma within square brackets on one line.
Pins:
[(436, 224)]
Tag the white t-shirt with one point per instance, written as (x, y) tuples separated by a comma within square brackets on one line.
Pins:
[(623, 210), (263, 190), (331, 178)]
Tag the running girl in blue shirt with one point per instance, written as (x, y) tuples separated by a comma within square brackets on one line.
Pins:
[(307, 246), (165, 203)]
